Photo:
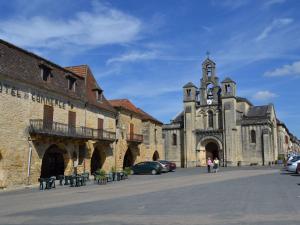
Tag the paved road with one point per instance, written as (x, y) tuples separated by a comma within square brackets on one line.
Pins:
[(246, 196)]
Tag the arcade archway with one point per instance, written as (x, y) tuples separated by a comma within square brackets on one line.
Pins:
[(128, 159), (97, 160), (155, 156), (53, 162)]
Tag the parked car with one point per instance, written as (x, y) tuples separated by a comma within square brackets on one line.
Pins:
[(164, 167), (298, 168), (170, 165), (292, 164), (147, 168)]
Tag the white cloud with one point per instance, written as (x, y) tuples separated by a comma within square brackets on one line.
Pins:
[(268, 4), (101, 26), (285, 70), (264, 95), (133, 57), (276, 24)]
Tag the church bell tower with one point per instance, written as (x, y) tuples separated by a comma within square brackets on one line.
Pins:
[(209, 85)]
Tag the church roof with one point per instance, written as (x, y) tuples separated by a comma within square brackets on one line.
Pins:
[(259, 111), (178, 118), (241, 99), (189, 84), (208, 61), (228, 80)]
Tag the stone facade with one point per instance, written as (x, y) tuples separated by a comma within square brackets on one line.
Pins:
[(139, 136), (215, 122), (57, 121)]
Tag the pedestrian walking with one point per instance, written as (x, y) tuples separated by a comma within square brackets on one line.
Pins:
[(209, 165), (216, 165)]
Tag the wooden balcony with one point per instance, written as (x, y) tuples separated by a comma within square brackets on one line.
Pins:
[(39, 127), (136, 138)]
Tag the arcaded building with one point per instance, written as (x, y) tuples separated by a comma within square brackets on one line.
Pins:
[(215, 122), (57, 121)]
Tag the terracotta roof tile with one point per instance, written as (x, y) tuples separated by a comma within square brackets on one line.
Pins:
[(128, 105), (91, 86), (125, 104)]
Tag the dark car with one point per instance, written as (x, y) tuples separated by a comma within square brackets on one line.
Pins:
[(146, 168), (170, 165)]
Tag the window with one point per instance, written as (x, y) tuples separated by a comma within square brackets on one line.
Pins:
[(71, 83), (286, 139), (227, 88), (253, 136), (210, 119), (209, 90), (99, 95), (45, 72), (209, 70), (174, 139), (155, 136), (48, 117), (188, 92)]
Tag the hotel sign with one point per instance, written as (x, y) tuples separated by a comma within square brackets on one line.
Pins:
[(12, 90)]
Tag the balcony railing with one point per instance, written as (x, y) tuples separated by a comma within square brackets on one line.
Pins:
[(135, 138), (41, 127)]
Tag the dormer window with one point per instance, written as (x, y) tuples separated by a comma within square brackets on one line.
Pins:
[(71, 83), (45, 73), (99, 95)]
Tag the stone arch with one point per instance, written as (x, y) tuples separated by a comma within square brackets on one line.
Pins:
[(209, 146), (155, 156), (54, 161), (129, 158), (98, 159)]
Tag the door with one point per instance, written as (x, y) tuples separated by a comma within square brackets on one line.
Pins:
[(48, 117), (72, 121)]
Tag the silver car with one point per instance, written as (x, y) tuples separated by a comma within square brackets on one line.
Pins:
[(292, 164)]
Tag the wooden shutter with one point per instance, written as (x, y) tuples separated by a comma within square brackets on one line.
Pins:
[(48, 117), (72, 119), (131, 131), (100, 124)]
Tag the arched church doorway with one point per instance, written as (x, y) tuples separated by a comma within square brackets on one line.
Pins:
[(53, 162), (97, 160), (212, 150), (155, 156), (128, 159)]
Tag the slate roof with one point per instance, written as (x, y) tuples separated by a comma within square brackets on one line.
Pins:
[(189, 84), (178, 118), (258, 111), (228, 80), (240, 99), (24, 66), (91, 85)]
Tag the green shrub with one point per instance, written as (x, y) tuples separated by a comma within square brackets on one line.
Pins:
[(101, 173), (113, 169), (127, 170)]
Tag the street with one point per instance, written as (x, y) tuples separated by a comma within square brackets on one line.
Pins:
[(246, 195)]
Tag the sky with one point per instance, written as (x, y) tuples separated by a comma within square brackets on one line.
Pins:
[(147, 51)]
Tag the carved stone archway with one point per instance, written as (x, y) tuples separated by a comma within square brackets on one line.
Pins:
[(209, 146)]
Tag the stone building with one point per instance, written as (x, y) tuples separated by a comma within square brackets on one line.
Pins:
[(139, 135), (56, 121), (216, 122)]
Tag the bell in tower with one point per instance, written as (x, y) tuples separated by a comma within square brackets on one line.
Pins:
[(209, 88)]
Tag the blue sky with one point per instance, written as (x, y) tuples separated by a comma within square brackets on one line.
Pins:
[(147, 50)]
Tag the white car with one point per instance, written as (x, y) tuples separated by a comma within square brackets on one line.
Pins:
[(292, 164)]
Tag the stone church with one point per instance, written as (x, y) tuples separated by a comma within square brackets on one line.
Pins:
[(215, 122)]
